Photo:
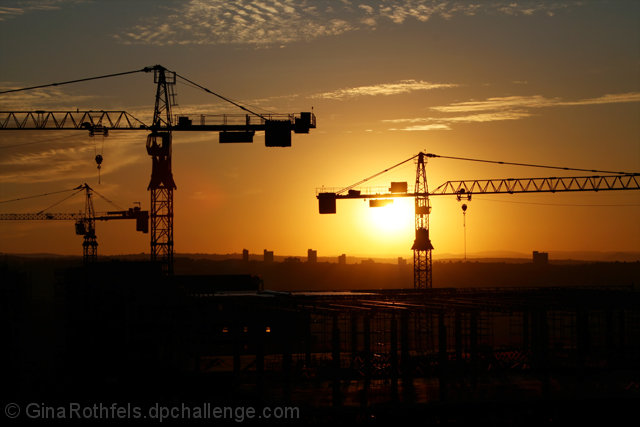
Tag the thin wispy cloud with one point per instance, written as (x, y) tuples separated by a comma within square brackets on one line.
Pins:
[(52, 98), (435, 126), (400, 87), (9, 12), (501, 108), (279, 22), (28, 160), (499, 103), (535, 101), (615, 98), (12, 9)]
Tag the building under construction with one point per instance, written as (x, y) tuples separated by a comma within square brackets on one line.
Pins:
[(517, 355)]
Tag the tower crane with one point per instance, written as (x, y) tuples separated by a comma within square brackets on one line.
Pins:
[(85, 222), (422, 246), (238, 128)]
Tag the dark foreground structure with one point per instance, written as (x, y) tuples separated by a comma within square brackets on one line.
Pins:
[(508, 356)]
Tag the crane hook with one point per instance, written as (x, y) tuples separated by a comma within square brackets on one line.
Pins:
[(464, 226), (99, 163)]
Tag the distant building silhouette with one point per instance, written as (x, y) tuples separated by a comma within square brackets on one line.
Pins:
[(540, 257), (268, 256), (402, 261), (292, 259), (312, 256), (342, 259), (367, 261), (245, 255)]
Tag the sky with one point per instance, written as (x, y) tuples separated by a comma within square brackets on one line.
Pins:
[(540, 82)]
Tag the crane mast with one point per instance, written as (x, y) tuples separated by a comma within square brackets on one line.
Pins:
[(422, 246), (90, 243), (161, 185)]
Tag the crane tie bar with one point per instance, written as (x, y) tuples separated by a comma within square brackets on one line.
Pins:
[(529, 165), (74, 81)]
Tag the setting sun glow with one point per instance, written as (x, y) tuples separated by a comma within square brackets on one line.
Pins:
[(529, 82), (394, 217)]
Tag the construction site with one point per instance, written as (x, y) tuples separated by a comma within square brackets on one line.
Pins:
[(118, 330), (512, 356)]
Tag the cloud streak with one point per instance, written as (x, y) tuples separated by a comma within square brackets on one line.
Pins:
[(68, 158), (278, 22), (501, 108), (21, 7), (51, 98), (401, 87)]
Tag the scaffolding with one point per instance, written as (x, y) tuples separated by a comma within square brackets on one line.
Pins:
[(365, 349)]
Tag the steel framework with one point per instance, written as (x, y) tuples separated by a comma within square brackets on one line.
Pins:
[(232, 128), (86, 221), (68, 120), (422, 246)]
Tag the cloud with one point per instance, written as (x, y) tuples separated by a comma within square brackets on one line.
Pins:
[(68, 157), (254, 22), (472, 118), (502, 108), (10, 12), (21, 7), (403, 86), (278, 22), (51, 98), (436, 126), (606, 99), (534, 101), (499, 103)]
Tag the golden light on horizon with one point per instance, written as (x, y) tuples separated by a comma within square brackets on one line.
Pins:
[(393, 218), (376, 105)]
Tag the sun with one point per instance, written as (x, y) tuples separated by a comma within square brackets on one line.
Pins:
[(393, 218)]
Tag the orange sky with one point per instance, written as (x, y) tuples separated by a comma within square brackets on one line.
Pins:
[(537, 82)]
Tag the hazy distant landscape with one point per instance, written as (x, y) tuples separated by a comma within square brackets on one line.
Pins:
[(295, 273)]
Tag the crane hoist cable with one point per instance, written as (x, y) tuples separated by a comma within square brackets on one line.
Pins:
[(254, 107), (376, 175), (74, 81), (79, 189), (75, 190), (98, 156), (431, 155), (37, 195), (530, 165), (107, 200), (221, 97), (146, 70)]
